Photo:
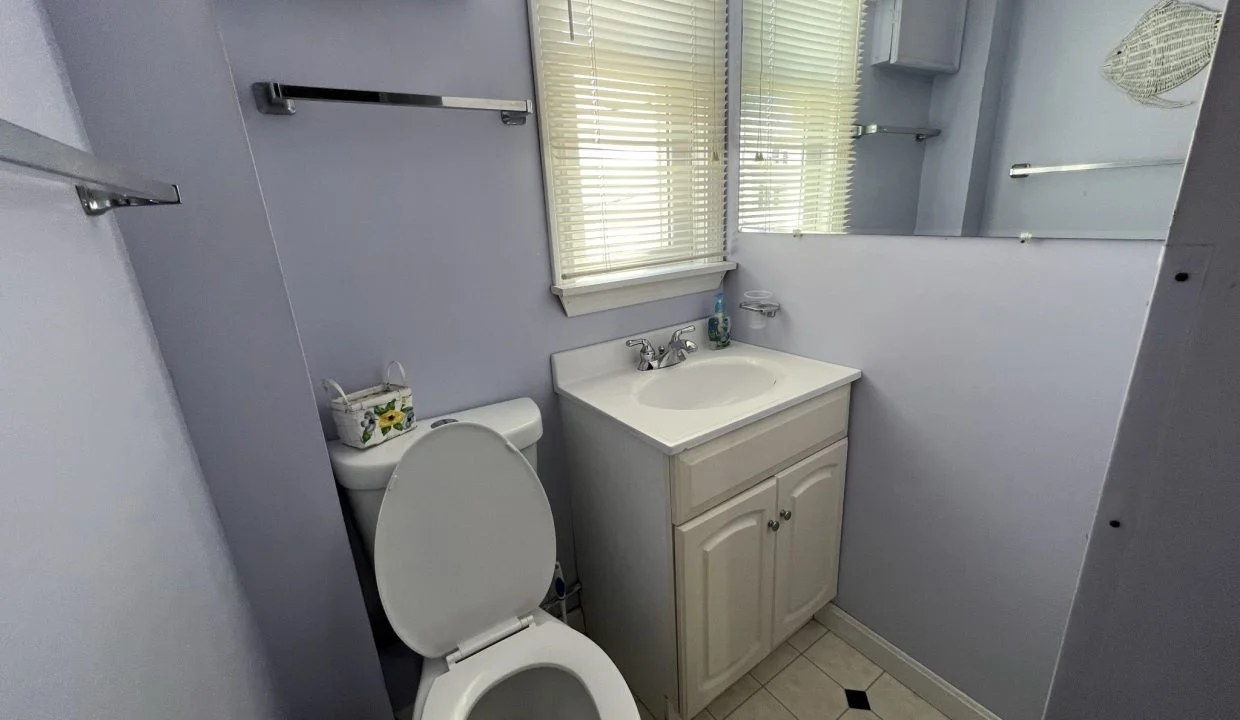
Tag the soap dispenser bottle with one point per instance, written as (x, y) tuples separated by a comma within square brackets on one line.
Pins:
[(719, 327)]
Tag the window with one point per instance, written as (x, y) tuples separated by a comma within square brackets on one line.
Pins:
[(800, 79), (632, 110)]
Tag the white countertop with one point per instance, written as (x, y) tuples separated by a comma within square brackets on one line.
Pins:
[(605, 377)]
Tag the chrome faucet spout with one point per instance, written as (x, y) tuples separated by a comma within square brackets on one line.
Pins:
[(677, 349)]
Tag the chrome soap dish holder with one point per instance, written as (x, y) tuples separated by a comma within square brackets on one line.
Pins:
[(763, 307), (759, 303)]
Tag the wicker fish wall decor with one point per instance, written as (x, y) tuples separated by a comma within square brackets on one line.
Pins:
[(1171, 44)]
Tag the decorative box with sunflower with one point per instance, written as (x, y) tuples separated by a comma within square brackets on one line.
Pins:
[(368, 417)]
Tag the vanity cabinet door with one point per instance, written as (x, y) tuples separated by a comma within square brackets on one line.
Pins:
[(725, 580), (807, 546)]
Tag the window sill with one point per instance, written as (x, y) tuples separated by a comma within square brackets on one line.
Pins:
[(634, 287)]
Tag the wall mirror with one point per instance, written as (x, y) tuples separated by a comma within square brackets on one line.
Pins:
[(1003, 118)]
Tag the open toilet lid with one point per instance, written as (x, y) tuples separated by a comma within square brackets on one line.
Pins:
[(465, 538)]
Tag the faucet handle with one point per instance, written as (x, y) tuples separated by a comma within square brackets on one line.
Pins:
[(646, 357), (685, 329), (647, 350)]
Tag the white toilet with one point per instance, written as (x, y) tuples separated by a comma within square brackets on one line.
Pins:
[(464, 547)]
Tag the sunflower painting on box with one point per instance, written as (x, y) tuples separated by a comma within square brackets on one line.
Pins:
[(386, 418)]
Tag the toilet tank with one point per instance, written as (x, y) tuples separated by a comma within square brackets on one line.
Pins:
[(364, 474)]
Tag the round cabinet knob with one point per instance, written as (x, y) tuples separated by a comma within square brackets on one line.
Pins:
[(785, 514), (773, 525)]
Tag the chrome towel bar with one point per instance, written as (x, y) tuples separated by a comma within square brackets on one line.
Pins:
[(275, 98), (1024, 170), (100, 186), (920, 134)]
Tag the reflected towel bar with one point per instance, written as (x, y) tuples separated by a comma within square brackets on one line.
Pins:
[(919, 134), (100, 186), (1024, 170), (275, 98)]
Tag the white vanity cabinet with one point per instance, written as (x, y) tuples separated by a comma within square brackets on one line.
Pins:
[(807, 547), (725, 591), (753, 570), (695, 565)]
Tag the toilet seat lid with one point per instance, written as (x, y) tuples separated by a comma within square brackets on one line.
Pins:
[(465, 539)]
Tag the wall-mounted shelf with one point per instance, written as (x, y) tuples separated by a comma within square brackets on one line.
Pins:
[(100, 186), (1024, 170), (275, 98), (920, 134)]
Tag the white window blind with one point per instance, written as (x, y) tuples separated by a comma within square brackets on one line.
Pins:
[(800, 78), (631, 103)]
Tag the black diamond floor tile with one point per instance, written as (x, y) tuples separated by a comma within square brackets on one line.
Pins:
[(857, 699)]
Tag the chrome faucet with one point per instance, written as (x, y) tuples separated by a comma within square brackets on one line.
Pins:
[(677, 348), (674, 353)]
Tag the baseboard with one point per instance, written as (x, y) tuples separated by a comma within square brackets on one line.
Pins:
[(916, 677)]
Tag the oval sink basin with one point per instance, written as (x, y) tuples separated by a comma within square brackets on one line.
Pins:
[(705, 384)]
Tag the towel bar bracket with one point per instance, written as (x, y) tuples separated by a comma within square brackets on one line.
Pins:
[(508, 117), (98, 202), (270, 102)]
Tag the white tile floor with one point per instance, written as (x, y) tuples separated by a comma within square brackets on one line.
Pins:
[(805, 679)]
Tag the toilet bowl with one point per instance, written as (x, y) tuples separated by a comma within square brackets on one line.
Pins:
[(546, 671), (464, 549)]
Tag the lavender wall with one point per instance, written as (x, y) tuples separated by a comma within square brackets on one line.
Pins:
[(993, 378), (994, 375), (416, 234), (119, 600), (154, 87), (1153, 628)]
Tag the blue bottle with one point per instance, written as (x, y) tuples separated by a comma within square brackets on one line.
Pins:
[(719, 327)]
